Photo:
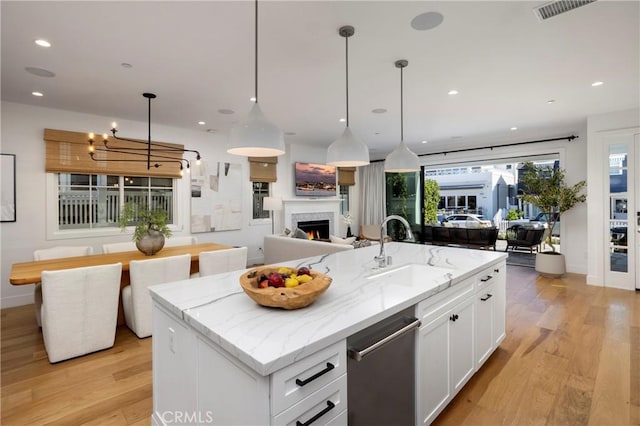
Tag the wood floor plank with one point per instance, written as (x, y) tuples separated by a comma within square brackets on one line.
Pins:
[(571, 356)]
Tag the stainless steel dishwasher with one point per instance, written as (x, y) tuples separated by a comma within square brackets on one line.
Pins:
[(381, 372)]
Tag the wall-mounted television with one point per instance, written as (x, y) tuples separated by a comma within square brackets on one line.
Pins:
[(315, 180)]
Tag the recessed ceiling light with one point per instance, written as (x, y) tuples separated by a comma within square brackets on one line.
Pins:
[(37, 94), (252, 99), (342, 120), (379, 110), (452, 92), (202, 123), (226, 111), (126, 65), (376, 133), (597, 83), (426, 21), (40, 72), (42, 42), (424, 142), (290, 133), (550, 101), (212, 131), (514, 128)]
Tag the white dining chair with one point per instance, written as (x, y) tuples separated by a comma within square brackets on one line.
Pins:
[(180, 241), (54, 253), (119, 247), (219, 261), (136, 300), (79, 310)]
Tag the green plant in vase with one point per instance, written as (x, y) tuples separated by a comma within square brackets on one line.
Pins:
[(151, 226)]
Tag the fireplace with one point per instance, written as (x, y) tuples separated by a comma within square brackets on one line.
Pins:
[(315, 229)]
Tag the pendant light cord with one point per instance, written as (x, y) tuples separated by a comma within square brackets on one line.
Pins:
[(346, 42), (256, 51), (149, 137), (401, 106)]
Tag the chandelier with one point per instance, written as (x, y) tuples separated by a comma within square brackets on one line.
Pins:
[(154, 154)]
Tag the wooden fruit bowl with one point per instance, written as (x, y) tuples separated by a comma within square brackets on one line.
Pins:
[(283, 297)]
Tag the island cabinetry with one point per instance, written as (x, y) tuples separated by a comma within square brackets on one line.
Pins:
[(462, 326), (445, 349), (196, 382), (490, 312)]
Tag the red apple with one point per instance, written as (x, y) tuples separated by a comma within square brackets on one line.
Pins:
[(304, 271), (275, 280)]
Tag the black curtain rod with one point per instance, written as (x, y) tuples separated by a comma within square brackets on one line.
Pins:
[(568, 138)]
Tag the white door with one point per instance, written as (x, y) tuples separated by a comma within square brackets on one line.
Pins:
[(622, 210)]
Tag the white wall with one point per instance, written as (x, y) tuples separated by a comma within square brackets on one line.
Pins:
[(573, 158), (596, 180)]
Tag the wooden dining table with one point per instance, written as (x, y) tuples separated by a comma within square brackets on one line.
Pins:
[(31, 272)]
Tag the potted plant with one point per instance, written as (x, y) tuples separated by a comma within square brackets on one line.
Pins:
[(150, 227), (545, 188)]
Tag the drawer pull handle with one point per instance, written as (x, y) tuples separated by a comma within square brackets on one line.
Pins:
[(454, 317), (330, 405), (487, 297), (484, 280), (315, 376), (497, 271)]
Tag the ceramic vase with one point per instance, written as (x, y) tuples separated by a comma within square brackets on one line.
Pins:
[(151, 243)]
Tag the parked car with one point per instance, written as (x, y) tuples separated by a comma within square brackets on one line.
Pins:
[(543, 217), (468, 220)]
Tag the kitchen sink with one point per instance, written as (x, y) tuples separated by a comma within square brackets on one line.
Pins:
[(409, 271)]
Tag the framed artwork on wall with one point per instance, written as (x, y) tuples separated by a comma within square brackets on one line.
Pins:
[(216, 197), (7, 188)]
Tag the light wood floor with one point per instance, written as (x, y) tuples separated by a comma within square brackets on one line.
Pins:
[(571, 356)]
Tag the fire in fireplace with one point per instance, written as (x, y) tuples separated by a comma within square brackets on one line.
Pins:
[(315, 229)]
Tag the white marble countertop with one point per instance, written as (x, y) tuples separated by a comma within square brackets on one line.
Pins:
[(267, 339)]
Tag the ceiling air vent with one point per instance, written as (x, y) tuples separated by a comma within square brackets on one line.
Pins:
[(551, 9)]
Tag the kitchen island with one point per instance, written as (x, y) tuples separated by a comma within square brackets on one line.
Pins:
[(219, 358)]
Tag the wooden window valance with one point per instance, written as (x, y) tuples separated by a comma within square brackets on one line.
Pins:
[(346, 176), (263, 169), (68, 152)]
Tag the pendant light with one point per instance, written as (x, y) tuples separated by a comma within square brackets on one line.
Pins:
[(347, 151), (256, 136), (402, 159)]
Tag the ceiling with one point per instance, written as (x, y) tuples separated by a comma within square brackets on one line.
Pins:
[(198, 58)]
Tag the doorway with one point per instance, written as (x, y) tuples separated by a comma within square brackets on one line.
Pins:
[(622, 210)]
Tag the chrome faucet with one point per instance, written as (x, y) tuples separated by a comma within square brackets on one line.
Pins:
[(382, 258)]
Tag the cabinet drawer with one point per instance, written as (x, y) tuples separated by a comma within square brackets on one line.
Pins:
[(299, 380), (489, 276), (320, 408), (430, 309)]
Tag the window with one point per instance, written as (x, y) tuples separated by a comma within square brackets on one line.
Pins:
[(344, 200), (260, 190), (94, 201)]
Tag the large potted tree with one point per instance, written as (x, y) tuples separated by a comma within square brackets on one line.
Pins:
[(150, 227), (545, 188)]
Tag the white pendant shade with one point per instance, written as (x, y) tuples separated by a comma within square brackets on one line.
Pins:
[(401, 160), (256, 137), (347, 151)]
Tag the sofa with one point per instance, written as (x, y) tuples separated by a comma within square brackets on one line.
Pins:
[(466, 237), (282, 248)]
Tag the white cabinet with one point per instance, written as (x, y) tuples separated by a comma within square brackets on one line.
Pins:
[(462, 326), (196, 382), (490, 312), (445, 356)]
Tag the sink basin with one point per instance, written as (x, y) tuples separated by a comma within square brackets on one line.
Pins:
[(410, 271)]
